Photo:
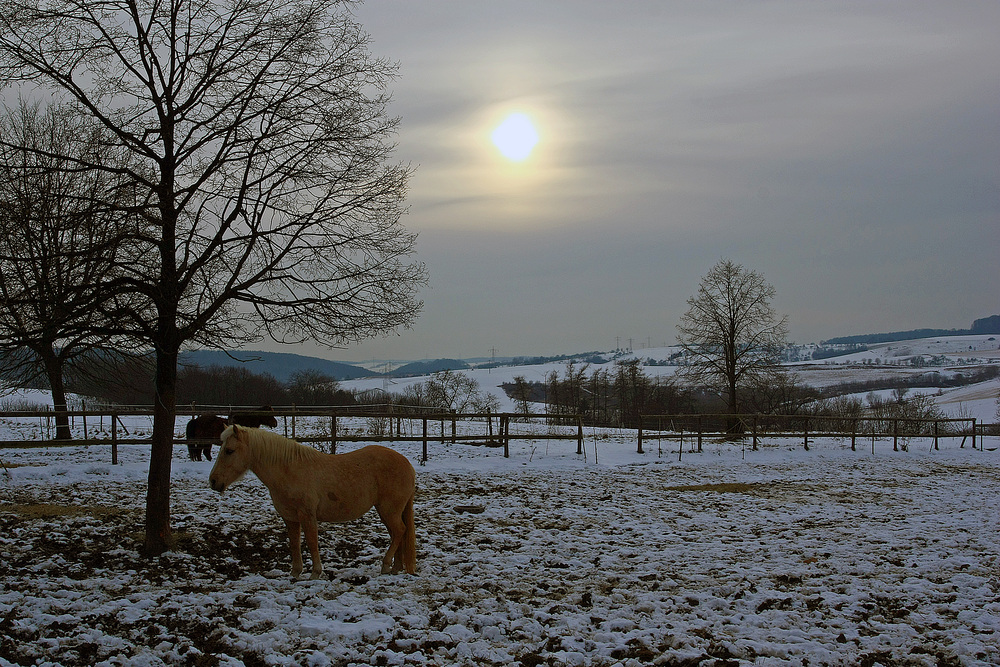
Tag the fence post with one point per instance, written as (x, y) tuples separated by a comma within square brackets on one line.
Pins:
[(86, 435), (699, 434), (659, 435), (639, 450), (935, 434), (973, 432), (333, 433), (424, 459), (805, 436), (453, 427), (114, 440), (755, 433), (854, 435), (895, 435), (505, 434), (579, 434)]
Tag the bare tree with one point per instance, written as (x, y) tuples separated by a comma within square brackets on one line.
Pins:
[(452, 391), (261, 145), (312, 387), (61, 228), (731, 335), (521, 394)]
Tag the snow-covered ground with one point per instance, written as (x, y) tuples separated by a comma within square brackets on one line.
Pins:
[(727, 557)]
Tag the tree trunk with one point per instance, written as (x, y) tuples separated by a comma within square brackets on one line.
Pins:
[(733, 426), (53, 370), (158, 490)]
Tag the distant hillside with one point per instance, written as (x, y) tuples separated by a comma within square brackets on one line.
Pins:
[(279, 364), (427, 367), (986, 325)]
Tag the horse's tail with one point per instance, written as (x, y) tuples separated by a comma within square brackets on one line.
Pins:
[(409, 540), (190, 429)]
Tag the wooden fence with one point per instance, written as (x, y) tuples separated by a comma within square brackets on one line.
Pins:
[(754, 427), (384, 425)]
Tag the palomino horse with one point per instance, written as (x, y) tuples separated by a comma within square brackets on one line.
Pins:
[(204, 426), (308, 486)]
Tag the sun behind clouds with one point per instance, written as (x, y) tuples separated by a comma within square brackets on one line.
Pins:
[(515, 137)]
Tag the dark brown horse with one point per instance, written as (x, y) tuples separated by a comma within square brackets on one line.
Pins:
[(207, 426), (262, 416)]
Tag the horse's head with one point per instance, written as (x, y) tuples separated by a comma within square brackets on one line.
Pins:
[(233, 459)]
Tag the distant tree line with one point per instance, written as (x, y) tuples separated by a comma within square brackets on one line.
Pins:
[(831, 352), (118, 380), (923, 380), (619, 396), (984, 325), (585, 357)]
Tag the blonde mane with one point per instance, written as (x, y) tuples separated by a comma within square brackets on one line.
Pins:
[(269, 449)]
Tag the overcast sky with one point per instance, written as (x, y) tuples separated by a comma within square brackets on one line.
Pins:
[(849, 152)]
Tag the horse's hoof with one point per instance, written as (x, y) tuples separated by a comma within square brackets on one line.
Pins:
[(316, 575)]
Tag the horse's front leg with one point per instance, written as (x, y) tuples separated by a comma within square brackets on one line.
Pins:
[(295, 546), (312, 541)]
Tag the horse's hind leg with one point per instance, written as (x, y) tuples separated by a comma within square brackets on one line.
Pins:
[(392, 562), (312, 541), (295, 545)]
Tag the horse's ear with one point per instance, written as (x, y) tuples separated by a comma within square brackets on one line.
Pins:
[(236, 432)]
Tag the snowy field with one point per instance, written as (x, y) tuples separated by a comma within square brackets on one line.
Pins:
[(774, 557), (726, 557)]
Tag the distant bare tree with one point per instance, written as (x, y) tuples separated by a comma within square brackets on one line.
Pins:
[(260, 146), (632, 389), (312, 387), (521, 394), (780, 394), (62, 230), (452, 391), (731, 335)]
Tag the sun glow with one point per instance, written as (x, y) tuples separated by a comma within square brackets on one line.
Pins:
[(515, 137)]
